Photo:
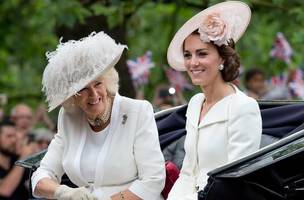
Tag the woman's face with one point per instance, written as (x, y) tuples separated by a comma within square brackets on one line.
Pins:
[(92, 98), (201, 61)]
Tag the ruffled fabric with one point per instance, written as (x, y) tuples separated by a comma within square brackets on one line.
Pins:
[(219, 28), (74, 64)]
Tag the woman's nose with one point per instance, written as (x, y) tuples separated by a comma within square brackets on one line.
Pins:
[(194, 61), (92, 92)]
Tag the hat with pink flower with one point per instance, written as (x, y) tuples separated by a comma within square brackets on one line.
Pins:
[(217, 24)]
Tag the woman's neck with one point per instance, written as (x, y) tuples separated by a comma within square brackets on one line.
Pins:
[(217, 91), (103, 119), (100, 128)]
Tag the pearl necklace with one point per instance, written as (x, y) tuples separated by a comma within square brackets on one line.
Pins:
[(104, 117)]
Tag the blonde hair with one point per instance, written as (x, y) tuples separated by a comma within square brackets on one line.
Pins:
[(111, 79)]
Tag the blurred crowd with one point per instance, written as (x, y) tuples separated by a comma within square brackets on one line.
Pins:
[(24, 132), (254, 82), (286, 86), (19, 138)]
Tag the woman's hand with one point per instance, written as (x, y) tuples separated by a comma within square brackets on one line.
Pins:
[(42, 117), (125, 195), (64, 192)]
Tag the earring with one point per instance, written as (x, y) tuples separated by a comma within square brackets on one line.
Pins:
[(221, 67)]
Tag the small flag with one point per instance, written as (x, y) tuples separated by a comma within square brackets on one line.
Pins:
[(281, 48), (140, 69), (177, 80)]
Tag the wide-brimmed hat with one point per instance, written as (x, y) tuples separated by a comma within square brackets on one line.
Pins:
[(218, 23), (74, 64)]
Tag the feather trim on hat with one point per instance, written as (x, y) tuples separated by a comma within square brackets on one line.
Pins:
[(74, 64)]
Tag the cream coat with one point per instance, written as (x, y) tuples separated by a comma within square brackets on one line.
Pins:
[(230, 130), (129, 159)]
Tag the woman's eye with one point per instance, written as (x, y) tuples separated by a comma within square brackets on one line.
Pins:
[(187, 55), (83, 89), (98, 83), (202, 54)]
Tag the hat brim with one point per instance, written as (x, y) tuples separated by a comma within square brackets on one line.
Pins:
[(235, 12), (85, 82)]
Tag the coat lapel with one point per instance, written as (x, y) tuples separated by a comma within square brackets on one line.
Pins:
[(76, 162), (194, 110), (218, 113), (72, 161)]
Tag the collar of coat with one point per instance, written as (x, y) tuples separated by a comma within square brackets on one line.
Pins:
[(217, 113)]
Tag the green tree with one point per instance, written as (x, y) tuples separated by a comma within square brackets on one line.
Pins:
[(29, 28), (27, 31)]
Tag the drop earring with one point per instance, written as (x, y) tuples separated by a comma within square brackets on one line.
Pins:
[(221, 67)]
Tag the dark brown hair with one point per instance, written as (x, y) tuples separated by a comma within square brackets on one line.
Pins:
[(250, 74), (230, 57), (6, 122)]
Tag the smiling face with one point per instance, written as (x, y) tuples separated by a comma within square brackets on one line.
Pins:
[(93, 98), (201, 61)]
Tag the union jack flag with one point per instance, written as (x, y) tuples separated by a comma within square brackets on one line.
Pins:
[(177, 80), (140, 69), (281, 48)]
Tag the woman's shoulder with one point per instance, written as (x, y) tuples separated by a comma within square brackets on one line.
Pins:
[(243, 103), (242, 99), (134, 105), (197, 98), (68, 117)]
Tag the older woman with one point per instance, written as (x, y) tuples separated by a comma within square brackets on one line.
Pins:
[(107, 144), (223, 124)]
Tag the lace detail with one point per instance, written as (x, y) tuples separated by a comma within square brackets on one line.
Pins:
[(104, 117)]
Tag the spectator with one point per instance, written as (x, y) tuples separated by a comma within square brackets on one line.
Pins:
[(25, 121), (12, 178), (257, 87), (42, 117), (43, 137), (255, 83), (22, 116), (164, 98)]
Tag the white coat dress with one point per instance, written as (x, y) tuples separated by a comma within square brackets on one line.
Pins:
[(230, 130), (129, 159)]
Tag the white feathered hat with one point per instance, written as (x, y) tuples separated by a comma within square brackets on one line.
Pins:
[(74, 64), (218, 23)]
